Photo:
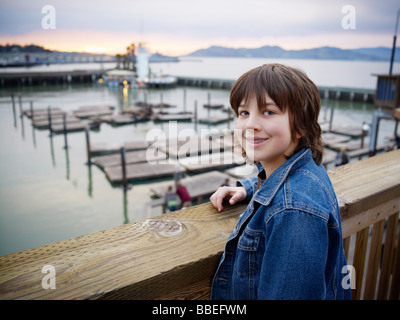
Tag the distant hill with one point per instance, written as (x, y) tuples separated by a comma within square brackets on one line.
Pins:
[(327, 53), (17, 48)]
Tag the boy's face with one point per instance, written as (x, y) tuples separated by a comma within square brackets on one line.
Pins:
[(264, 133)]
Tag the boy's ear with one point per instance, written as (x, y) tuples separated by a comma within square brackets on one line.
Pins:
[(298, 136)]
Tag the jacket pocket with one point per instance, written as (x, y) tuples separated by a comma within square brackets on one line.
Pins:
[(246, 257), (248, 242)]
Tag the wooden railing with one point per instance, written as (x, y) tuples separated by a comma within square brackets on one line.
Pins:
[(174, 256)]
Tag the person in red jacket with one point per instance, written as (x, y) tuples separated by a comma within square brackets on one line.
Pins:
[(183, 194)]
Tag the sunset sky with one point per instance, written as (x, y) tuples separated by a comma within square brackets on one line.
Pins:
[(178, 27)]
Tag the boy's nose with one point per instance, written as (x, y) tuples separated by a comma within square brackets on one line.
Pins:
[(253, 122)]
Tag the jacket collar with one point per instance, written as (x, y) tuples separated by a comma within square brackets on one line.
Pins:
[(269, 188)]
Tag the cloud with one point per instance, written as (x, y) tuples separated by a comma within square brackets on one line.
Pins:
[(207, 21)]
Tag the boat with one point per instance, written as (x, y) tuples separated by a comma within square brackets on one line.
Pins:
[(120, 78)]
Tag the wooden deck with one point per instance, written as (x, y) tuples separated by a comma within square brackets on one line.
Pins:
[(43, 112), (213, 120), (131, 157), (173, 116), (192, 147), (74, 126), (42, 123), (215, 161), (198, 185), (330, 139), (213, 106), (352, 131), (88, 112), (100, 148), (140, 171)]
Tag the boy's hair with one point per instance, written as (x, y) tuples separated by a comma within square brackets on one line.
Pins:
[(288, 88)]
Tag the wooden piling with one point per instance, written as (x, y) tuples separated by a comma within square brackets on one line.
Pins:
[(65, 130), (49, 118), (21, 112), (87, 145), (31, 108), (13, 107), (123, 166)]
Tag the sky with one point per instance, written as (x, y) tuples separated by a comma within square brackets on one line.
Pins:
[(179, 27)]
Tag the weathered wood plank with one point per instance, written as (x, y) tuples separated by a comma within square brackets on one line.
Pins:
[(140, 171), (114, 147), (192, 146), (198, 185), (395, 286), (359, 261), (43, 112), (388, 252), (374, 180), (214, 161), (374, 260), (131, 157), (123, 262)]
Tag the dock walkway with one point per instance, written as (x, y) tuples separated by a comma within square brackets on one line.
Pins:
[(140, 172)]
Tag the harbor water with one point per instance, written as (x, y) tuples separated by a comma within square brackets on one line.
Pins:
[(49, 193)]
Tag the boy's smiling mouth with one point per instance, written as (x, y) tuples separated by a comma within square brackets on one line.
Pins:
[(256, 141)]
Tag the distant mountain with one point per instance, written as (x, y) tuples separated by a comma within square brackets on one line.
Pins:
[(327, 53), (14, 48)]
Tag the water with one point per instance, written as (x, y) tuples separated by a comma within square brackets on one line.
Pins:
[(49, 194), (331, 73)]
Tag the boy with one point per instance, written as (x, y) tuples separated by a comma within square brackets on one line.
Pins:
[(288, 242)]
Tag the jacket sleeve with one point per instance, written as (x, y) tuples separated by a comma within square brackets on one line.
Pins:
[(296, 250), (250, 186)]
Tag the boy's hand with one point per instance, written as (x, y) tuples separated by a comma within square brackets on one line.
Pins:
[(233, 194)]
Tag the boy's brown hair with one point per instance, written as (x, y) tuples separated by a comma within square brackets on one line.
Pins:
[(289, 88)]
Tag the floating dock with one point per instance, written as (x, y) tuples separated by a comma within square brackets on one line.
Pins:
[(140, 171), (93, 111), (215, 161), (74, 126), (102, 148), (173, 116), (193, 147), (213, 120), (139, 156), (198, 185)]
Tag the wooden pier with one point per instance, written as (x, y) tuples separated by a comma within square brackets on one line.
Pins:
[(140, 171), (199, 186), (101, 148), (215, 161), (74, 126), (131, 157), (192, 146), (214, 120), (93, 111), (173, 116)]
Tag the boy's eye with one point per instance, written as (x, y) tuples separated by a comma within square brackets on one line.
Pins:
[(269, 112), (243, 113)]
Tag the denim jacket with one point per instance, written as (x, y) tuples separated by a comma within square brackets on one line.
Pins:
[(288, 242)]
